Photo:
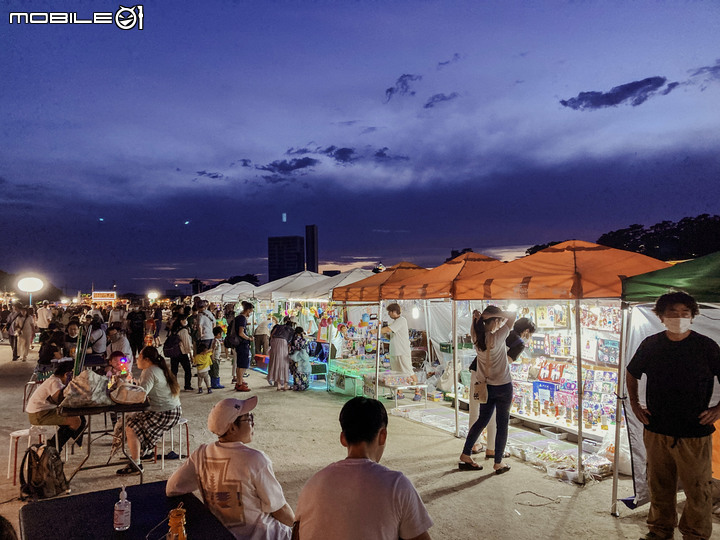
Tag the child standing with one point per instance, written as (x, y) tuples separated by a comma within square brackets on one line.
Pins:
[(203, 361), (218, 334)]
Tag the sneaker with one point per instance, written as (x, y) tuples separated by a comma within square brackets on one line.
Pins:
[(246, 374), (209, 391), (188, 389), (242, 387), (129, 470), (199, 391), (234, 380), (150, 456)]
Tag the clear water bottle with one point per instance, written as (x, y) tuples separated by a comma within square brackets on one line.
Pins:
[(121, 517)]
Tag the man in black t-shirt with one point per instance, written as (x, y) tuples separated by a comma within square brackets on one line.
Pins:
[(680, 366)]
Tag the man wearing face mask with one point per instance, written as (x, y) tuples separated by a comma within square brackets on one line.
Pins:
[(680, 366)]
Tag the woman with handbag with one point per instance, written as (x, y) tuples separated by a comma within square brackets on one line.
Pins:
[(490, 329), (145, 428)]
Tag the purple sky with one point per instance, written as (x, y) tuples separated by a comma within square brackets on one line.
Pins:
[(402, 129)]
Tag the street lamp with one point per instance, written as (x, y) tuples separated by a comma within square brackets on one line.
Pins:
[(30, 285), (152, 296)]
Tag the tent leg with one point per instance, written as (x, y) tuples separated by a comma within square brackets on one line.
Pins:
[(621, 395), (454, 367), (578, 352), (377, 350)]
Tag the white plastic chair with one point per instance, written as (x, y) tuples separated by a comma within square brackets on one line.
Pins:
[(41, 432)]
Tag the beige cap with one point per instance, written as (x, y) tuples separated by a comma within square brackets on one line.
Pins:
[(224, 413)]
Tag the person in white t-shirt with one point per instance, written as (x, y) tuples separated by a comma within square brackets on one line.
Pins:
[(237, 482), (44, 317), (400, 353), (42, 406), (357, 498)]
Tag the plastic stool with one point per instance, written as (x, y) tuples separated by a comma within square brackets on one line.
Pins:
[(181, 422), (42, 434)]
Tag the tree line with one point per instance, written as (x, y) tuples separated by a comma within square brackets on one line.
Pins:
[(688, 238)]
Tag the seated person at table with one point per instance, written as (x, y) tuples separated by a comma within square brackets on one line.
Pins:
[(42, 407), (119, 366), (145, 428), (237, 482), (51, 347), (117, 342)]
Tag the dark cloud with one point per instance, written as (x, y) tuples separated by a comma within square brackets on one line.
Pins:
[(439, 98), (342, 155), (710, 72), (367, 130), (382, 155), (3, 180), (402, 86), (213, 175), (634, 93), (286, 167), (243, 163), (297, 151), (455, 58), (348, 123)]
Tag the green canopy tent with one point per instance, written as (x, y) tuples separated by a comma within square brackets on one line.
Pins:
[(698, 277)]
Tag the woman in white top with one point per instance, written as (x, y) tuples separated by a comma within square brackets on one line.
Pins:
[(25, 331), (490, 330), (145, 428)]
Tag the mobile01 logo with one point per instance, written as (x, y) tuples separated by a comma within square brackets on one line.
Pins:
[(125, 18)]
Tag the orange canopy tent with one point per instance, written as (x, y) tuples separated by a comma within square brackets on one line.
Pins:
[(371, 289), (569, 270), (439, 282)]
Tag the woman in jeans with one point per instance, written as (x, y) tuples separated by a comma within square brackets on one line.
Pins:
[(490, 330)]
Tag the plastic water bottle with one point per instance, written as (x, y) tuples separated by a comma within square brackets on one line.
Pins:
[(121, 517)]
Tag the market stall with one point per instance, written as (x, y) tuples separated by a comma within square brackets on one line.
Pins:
[(699, 278), (362, 298), (572, 292)]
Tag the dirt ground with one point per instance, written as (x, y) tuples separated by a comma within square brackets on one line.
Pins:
[(300, 433)]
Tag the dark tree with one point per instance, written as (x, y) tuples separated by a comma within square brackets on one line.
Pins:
[(249, 278), (540, 247)]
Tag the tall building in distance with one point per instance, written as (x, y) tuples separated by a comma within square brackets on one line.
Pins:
[(311, 248), (286, 256)]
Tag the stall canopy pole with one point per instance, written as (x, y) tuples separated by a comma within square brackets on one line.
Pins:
[(426, 309), (377, 349), (621, 395), (454, 367), (581, 391)]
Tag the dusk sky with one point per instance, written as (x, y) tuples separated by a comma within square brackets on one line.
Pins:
[(403, 129)]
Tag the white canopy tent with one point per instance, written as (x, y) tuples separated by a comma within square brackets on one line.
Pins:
[(240, 290), (285, 288), (214, 294), (322, 290)]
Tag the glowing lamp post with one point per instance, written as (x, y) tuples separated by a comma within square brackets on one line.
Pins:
[(30, 285), (152, 296)]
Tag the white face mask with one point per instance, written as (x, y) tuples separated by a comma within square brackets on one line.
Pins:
[(677, 325)]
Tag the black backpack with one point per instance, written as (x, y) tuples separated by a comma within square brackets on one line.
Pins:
[(232, 340), (171, 347), (41, 473)]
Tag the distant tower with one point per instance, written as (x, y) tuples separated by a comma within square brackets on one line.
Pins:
[(311, 248), (286, 256)]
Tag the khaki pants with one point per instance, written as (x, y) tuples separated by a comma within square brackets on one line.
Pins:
[(670, 459)]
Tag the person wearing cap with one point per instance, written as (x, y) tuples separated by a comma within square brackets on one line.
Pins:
[(237, 482), (357, 498)]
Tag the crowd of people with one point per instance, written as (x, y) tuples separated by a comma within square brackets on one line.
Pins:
[(676, 414)]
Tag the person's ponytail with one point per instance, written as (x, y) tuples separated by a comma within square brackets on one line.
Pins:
[(152, 355)]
